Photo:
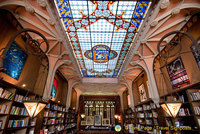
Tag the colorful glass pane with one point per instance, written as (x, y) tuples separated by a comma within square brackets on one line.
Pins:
[(15, 60), (54, 89), (109, 25)]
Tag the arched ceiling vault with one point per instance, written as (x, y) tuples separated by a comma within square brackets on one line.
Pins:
[(41, 15)]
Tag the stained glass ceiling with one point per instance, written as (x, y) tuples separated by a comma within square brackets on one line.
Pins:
[(101, 32)]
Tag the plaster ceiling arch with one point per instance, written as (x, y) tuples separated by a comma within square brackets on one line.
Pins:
[(99, 89)]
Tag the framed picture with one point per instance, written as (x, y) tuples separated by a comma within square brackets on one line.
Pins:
[(83, 123), (97, 120), (90, 120), (105, 122), (142, 92), (177, 73), (15, 60)]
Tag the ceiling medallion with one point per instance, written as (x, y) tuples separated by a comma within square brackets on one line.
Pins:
[(100, 54)]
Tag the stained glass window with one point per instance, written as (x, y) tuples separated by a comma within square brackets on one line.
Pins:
[(101, 32), (54, 89), (15, 60)]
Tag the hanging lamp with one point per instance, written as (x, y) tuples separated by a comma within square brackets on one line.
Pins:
[(172, 107), (33, 107)]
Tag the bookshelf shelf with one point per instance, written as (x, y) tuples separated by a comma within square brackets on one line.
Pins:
[(14, 128), (15, 118)]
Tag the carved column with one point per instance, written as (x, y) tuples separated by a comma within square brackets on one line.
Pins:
[(152, 82), (49, 82), (130, 90)]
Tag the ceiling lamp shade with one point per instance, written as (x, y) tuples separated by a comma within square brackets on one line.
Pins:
[(34, 107), (172, 108)]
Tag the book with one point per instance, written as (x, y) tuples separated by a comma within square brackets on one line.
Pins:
[(1, 91)]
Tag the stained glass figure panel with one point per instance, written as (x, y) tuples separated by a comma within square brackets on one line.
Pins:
[(15, 60), (101, 32)]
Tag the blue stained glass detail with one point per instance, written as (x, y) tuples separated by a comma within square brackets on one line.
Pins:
[(98, 13), (85, 22), (118, 22), (15, 60), (99, 25), (106, 13), (140, 12)]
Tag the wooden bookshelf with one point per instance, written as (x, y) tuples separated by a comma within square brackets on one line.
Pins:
[(146, 116), (187, 115), (15, 111), (71, 121), (53, 118)]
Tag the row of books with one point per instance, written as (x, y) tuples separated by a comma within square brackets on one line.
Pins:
[(17, 123), (18, 111), (51, 121), (148, 115), (52, 114), (140, 115), (60, 115), (59, 121), (54, 107), (139, 109), (149, 122), (146, 107), (60, 128), (6, 94), (3, 109), (60, 108), (20, 98), (155, 114), (184, 112), (197, 110), (195, 95)]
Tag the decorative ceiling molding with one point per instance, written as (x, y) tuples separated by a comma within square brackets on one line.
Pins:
[(42, 3), (157, 23), (51, 9)]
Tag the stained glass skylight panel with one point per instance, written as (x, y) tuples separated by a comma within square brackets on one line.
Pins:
[(101, 32)]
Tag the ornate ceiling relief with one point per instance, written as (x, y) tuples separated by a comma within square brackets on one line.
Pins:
[(101, 32)]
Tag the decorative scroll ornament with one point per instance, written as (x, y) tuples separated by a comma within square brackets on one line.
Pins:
[(29, 44), (172, 107), (176, 42)]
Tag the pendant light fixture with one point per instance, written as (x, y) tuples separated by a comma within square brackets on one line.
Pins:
[(33, 107), (172, 107)]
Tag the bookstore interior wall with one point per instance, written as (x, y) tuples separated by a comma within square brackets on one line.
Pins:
[(125, 99), (62, 89), (32, 73), (73, 99), (140, 87), (188, 59)]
